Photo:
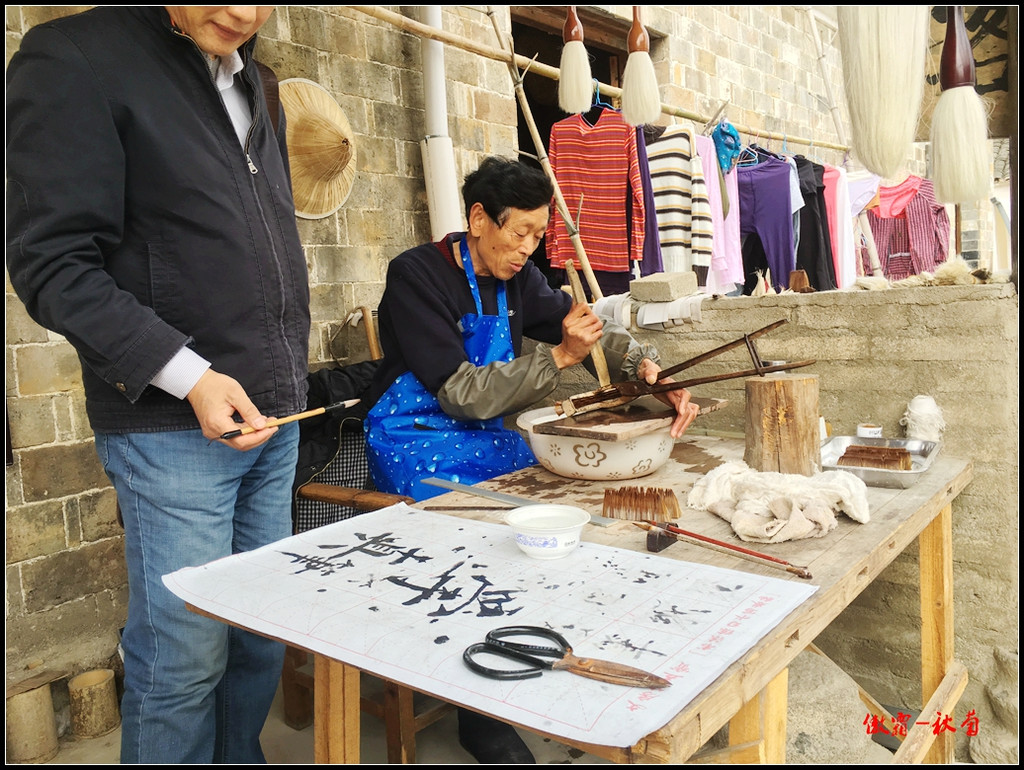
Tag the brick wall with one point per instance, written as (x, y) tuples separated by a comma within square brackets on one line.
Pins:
[(66, 591)]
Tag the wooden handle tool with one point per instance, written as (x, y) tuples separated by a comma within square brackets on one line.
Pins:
[(596, 352)]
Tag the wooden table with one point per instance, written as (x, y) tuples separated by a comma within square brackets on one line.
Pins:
[(751, 695)]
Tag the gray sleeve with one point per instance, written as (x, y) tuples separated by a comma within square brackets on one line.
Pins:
[(500, 388), (622, 352)]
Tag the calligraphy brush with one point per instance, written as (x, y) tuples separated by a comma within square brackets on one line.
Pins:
[(718, 545), (962, 163), (274, 422), (575, 84), (641, 101)]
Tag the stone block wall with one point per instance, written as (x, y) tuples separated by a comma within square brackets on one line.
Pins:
[(66, 591)]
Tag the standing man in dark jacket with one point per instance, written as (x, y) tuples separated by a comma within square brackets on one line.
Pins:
[(151, 222)]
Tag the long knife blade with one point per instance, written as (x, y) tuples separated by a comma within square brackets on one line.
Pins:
[(601, 521), (490, 495)]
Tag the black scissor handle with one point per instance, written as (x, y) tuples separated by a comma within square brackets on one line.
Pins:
[(499, 638), (536, 665)]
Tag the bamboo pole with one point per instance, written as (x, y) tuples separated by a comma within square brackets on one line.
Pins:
[(596, 352), (542, 156), (422, 30)]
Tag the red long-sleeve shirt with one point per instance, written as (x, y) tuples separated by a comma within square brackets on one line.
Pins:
[(598, 162)]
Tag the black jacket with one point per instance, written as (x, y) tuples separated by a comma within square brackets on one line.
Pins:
[(137, 224)]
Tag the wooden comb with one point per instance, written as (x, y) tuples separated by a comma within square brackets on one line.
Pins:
[(886, 458), (641, 504)]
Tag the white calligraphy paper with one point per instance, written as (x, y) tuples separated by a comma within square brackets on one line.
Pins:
[(401, 593)]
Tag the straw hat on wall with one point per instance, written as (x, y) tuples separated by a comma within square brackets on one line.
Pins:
[(321, 150)]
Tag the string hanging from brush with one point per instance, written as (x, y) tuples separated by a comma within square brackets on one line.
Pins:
[(641, 103), (961, 157), (574, 77)]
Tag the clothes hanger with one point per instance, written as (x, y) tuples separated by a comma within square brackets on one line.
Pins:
[(748, 155), (597, 96)]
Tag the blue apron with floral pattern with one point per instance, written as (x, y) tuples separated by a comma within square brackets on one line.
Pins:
[(409, 436)]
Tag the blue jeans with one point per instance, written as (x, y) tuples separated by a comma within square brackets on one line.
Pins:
[(196, 690)]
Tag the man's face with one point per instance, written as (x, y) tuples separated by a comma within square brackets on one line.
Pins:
[(219, 29), (504, 249)]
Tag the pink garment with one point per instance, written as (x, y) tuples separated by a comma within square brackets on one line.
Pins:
[(892, 201), (831, 180), (840, 224), (726, 253)]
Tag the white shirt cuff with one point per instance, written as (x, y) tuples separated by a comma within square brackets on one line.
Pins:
[(181, 373)]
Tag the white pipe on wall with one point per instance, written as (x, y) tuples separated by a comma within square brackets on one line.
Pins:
[(436, 146)]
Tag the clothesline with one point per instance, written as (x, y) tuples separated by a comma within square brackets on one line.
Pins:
[(545, 70)]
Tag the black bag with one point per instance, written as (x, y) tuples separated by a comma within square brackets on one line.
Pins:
[(332, 447)]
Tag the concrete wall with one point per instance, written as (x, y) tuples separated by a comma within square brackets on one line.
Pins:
[(66, 592)]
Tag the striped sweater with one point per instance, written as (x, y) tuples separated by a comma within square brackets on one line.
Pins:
[(599, 164), (680, 199)]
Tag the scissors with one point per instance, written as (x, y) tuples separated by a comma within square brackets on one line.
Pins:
[(533, 655)]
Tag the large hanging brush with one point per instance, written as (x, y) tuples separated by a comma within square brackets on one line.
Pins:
[(962, 161), (641, 102), (884, 48), (575, 83)]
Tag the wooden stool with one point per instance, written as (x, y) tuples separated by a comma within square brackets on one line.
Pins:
[(403, 711)]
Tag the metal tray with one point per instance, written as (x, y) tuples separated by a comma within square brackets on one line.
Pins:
[(922, 454)]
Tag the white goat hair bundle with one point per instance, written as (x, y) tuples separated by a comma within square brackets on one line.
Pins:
[(883, 50), (961, 159), (575, 83), (641, 102)]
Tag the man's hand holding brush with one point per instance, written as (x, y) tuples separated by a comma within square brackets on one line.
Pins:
[(215, 399)]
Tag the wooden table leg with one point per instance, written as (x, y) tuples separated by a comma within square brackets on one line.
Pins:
[(336, 712), (761, 725), (936, 565)]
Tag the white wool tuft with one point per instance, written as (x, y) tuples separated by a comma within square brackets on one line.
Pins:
[(883, 49), (923, 419), (641, 102), (961, 160), (575, 83)]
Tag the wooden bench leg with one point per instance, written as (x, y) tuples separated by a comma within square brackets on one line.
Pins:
[(761, 724), (936, 565), (399, 724), (297, 689), (336, 701)]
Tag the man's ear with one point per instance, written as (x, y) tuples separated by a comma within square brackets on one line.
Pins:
[(478, 219)]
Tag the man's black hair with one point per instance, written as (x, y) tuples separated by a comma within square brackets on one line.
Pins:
[(501, 184)]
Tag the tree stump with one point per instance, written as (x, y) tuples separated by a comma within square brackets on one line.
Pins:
[(31, 725), (783, 429)]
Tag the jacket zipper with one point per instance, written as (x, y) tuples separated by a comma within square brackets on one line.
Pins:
[(253, 106), (253, 170)]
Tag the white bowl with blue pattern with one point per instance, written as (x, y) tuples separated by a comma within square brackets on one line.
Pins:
[(547, 531)]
